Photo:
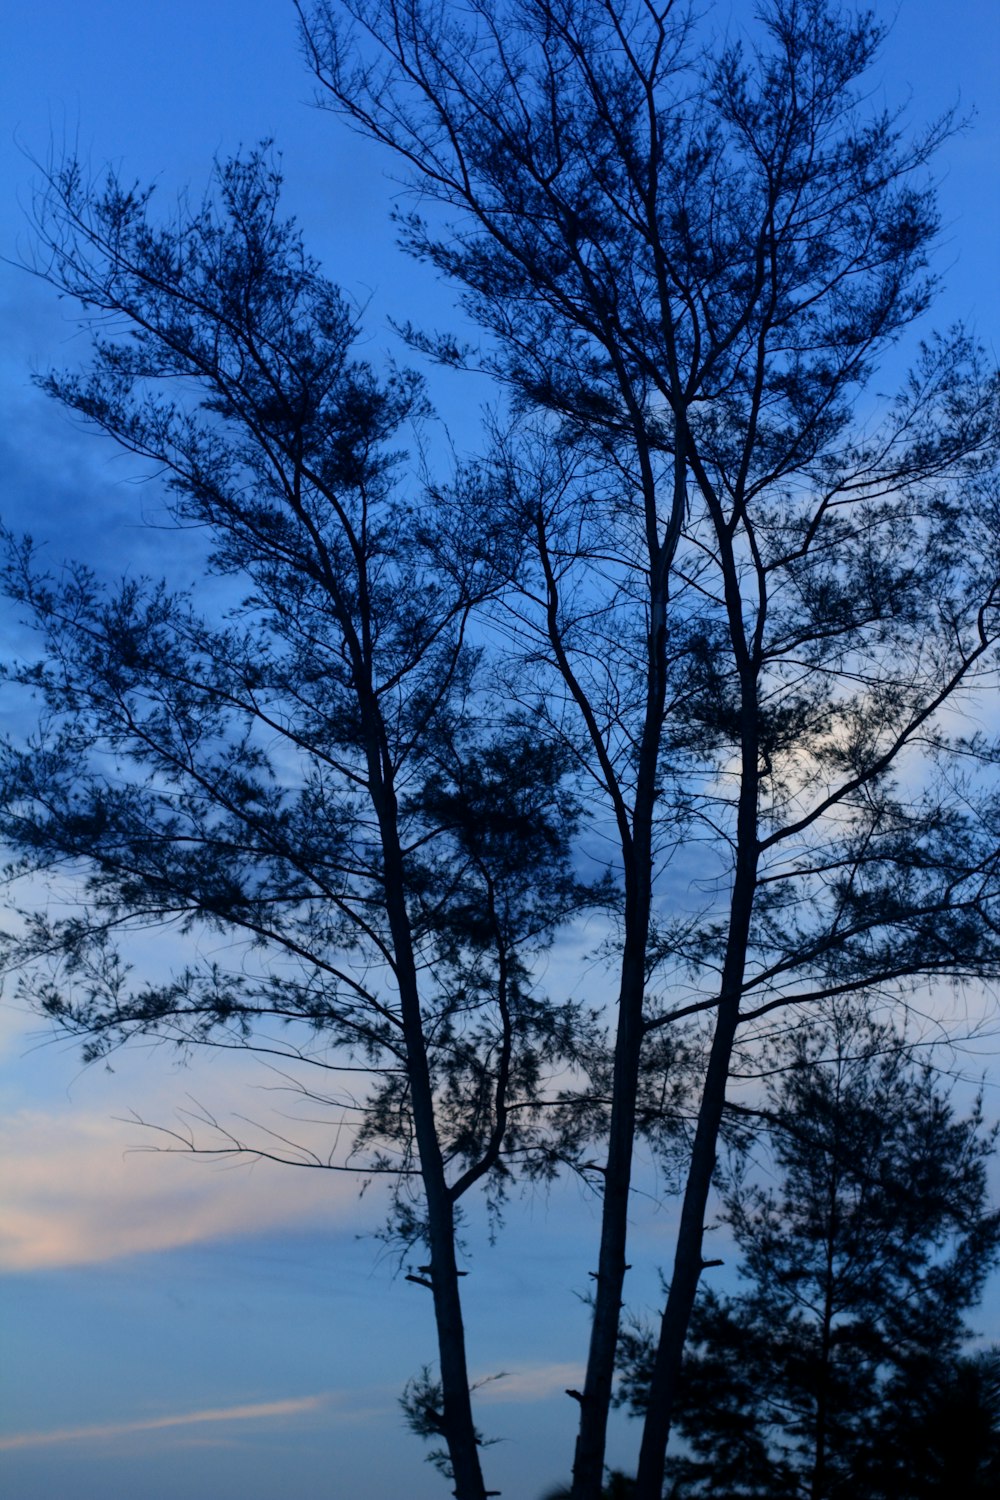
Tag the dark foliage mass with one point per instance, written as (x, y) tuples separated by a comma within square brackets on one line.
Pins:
[(706, 604), (862, 1247)]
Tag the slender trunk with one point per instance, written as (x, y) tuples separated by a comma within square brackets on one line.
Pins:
[(637, 852), (456, 1422), (818, 1482), (688, 1262), (588, 1462), (595, 1402)]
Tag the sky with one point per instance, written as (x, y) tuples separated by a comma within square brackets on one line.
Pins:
[(171, 1327)]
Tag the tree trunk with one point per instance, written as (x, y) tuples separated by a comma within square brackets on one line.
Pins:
[(818, 1482), (588, 1463), (456, 1425), (688, 1262)]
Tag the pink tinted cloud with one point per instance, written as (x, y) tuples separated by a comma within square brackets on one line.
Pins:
[(74, 1193), (261, 1411)]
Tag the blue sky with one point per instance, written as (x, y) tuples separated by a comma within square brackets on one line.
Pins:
[(169, 1327)]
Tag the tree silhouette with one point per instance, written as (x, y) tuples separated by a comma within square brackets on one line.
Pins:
[(838, 1371), (751, 586), (308, 761), (707, 590)]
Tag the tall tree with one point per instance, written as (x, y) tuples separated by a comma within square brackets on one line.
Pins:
[(865, 1235), (305, 757), (757, 591)]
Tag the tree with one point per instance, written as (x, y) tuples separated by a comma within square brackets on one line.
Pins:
[(758, 594), (747, 601), (860, 1263), (307, 759)]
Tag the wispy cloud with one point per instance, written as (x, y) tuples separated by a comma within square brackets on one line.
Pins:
[(74, 1193), (260, 1411), (531, 1383)]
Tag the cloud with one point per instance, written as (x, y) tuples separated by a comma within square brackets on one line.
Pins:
[(261, 1411), (76, 1191), (532, 1383)]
